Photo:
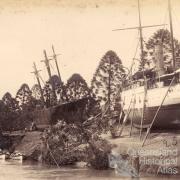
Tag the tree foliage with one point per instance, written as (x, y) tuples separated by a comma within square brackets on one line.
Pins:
[(9, 112), (59, 88), (27, 104), (162, 36), (108, 77), (24, 98), (77, 88), (36, 96), (36, 93), (10, 102), (2, 115), (47, 93)]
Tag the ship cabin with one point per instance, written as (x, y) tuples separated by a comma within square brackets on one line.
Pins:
[(156, 77), (151, 80)]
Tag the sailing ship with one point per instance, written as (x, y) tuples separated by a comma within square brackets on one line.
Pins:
[(152, 98), (70, 111)]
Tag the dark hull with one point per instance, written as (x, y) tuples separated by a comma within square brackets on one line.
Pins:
[(168, 117)]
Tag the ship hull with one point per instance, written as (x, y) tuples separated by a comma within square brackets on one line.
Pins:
[(168, 115)]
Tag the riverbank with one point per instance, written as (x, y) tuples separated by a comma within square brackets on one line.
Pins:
[(56, 149), (159, 156), (31, 145)]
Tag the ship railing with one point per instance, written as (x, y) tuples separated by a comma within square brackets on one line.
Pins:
[(133, 84), (163, 81), (153, 83)]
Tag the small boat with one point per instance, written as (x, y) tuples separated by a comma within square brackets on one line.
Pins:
[(4, 156), (16, 156)]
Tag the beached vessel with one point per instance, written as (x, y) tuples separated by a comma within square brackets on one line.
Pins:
[(152, 97), (4, 156), (16, 156)]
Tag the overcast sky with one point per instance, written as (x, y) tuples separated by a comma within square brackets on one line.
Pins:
[(81, 30)]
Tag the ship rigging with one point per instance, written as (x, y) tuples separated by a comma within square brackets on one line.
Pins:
[(151, 98)]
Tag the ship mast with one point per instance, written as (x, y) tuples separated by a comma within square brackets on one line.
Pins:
[(36, 73), (46, 61), (57, 67), (141, 37), (55, 58), (140, 28), (171, 33)]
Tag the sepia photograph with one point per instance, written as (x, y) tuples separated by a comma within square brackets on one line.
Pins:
[(90, 89)]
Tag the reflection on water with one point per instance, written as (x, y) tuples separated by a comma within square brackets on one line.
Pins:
[(14, 170)]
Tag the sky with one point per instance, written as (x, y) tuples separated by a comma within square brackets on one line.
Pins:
[(80, 30)]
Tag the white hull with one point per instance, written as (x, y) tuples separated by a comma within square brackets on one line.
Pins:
[(168, 114), (18, 158), (2, 157)]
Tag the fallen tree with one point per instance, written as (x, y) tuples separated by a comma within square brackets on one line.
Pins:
[(69, 143)]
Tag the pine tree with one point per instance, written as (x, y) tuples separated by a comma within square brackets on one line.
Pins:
[(163, 36), (2, 116), (24, 98), (59, 88), (108, 78), (9, 112), (36, 92), (77, 88)]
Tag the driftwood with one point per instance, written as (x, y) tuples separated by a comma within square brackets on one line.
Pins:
[(70, 143)]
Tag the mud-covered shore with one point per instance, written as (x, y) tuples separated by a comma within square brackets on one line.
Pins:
[(159, 155)]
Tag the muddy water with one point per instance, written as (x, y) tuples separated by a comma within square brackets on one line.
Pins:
[(14, 170)]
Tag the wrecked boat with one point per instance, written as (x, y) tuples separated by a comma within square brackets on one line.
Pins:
[(152, 97)]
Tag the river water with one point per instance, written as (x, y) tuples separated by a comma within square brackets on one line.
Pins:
[(14, 170)]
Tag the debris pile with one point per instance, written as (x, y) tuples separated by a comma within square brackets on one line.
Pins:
[(98, 151), (70, 143)]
